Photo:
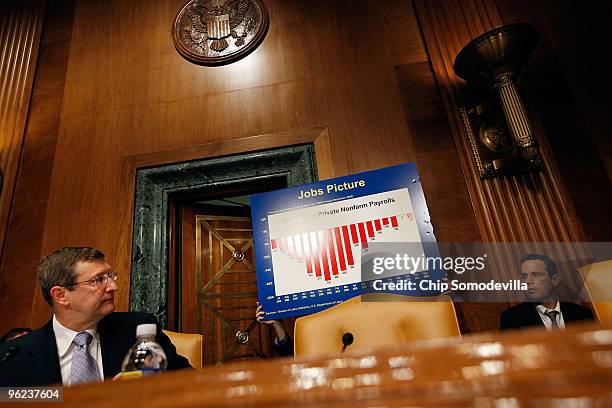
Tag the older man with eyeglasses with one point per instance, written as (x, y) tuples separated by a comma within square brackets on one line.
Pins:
[(86, 339)]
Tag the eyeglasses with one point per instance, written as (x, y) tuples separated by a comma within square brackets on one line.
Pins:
[(100, 280)]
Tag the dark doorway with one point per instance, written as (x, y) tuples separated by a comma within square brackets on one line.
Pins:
[(212, 281), (193, 261)]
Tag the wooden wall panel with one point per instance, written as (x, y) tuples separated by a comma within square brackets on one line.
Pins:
[(24, 233), (532, 207), (579, 36), (128, 92), (439, 166), (358, 69), (570, 90), (20, 25), (527, 208), (449, 204)]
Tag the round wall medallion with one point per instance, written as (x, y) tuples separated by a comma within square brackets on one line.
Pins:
[(238, 255), (495, 136), (242, 337), (215, 32)]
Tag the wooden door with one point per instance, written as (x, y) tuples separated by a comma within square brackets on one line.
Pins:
[(218, 290)]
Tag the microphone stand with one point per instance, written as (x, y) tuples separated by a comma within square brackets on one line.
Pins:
[(347, 340)]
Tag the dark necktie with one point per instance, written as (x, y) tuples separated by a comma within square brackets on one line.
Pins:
[(84, 366), (552, 315)]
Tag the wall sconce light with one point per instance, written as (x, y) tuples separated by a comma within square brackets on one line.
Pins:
[(500, 132)]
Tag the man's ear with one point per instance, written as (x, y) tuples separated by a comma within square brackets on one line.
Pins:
[(555, 279), (58, 294)]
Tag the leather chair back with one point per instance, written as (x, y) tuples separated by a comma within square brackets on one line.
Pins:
[(598, 283), (381, 320), (188, 346)]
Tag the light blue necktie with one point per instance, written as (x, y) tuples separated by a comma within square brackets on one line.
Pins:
[(84, 366)]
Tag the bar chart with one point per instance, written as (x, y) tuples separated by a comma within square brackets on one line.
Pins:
[(321, 246)]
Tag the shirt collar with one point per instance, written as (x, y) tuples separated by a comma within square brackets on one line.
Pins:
[(64, 336), (543, 309)]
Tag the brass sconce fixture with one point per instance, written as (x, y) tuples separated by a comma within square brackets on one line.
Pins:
[(499, 129)]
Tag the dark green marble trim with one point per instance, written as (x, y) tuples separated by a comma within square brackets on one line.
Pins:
[(148, 285)]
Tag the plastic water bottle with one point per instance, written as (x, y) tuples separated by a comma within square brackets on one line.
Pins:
[(146, 355)]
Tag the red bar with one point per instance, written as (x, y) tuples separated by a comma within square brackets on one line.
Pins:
[(307, 253), (340, 249), (377, 225), (385, 221), (354, 234), (370, 229), (324, 257), (332, 252), (308, 260), (347, 246), (362, 235), (315, 254), (273, 244), (394, 221)]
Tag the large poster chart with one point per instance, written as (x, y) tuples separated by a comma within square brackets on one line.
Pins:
[(310, 241)]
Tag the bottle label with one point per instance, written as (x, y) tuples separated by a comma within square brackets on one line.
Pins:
[(129, 375)]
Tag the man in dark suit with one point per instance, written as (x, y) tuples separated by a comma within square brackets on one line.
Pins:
[(540, 274), (85, 340)]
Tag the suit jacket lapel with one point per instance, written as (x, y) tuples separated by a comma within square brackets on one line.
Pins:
[(44, 361), (568, 312), (534, 316), (115, 345)]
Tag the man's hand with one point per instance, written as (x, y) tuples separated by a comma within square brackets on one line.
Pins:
[(278, 328), (259, 315)]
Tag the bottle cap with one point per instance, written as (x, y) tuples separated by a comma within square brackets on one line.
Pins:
[(146, 330)]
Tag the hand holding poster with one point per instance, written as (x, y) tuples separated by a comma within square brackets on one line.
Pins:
[(314, 244)]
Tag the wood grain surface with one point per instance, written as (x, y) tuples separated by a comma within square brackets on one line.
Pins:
[(129, 93), (369, 82), (531, 368), (27, 180)]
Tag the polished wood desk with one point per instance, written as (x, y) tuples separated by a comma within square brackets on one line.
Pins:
[(531, 368)]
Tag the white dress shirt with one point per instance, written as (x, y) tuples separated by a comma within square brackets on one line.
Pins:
[(65, 349), (546, 320)]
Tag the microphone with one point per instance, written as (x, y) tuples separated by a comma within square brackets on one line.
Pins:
[(8, 355), (347, 340)]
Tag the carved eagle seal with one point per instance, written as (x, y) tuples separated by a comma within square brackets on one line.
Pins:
[(206, 29)]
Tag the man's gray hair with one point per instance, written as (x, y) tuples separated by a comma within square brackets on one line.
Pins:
[(59, 268)]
